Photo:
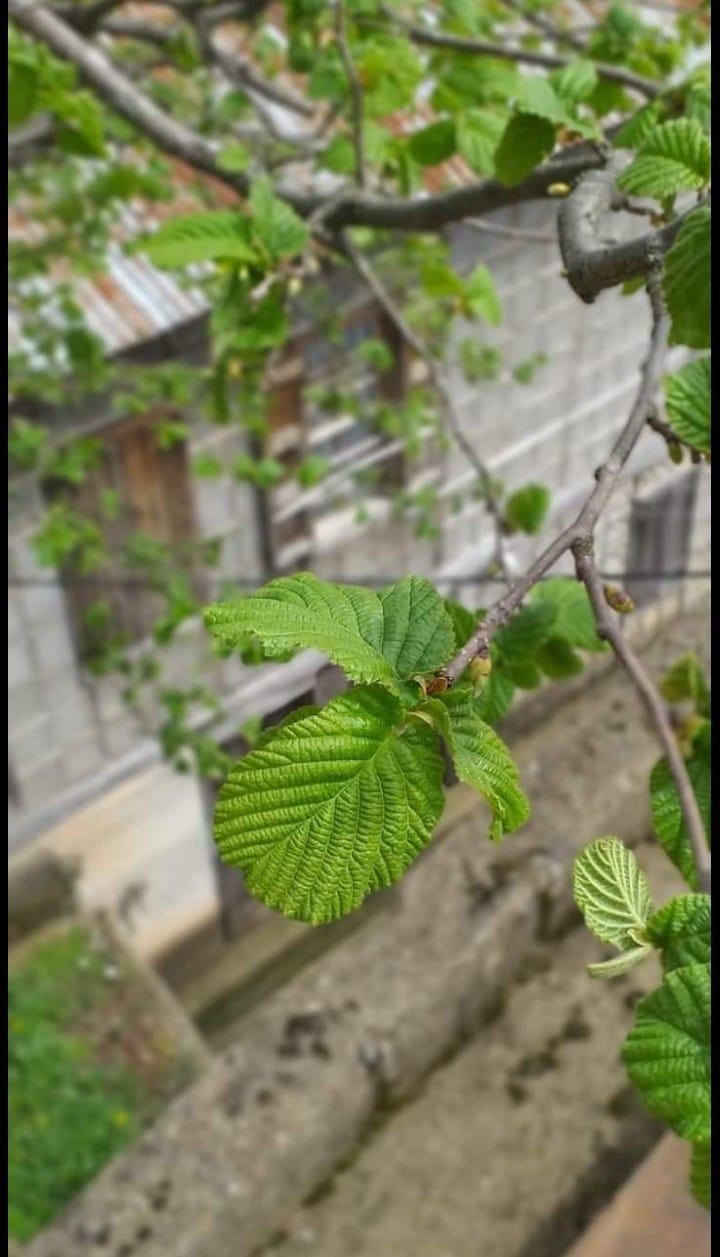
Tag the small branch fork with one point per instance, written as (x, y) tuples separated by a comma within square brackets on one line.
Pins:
[(578, 539), (352, 207), (609, 630), (591, 266), (425, 36)]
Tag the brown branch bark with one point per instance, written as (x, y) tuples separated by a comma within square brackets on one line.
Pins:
[(670, 436), (578, 538), (591, 267), (583, 527), (117, 90), (425, 37), (608, 628), (556, 33), (347, 208)]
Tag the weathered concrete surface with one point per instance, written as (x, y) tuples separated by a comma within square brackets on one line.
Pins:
[(40, 890), (271, 1120), (516, 1140)]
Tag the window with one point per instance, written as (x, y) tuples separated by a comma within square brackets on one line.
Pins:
[(238, 911), (660, 530), (140, 489), (304, 421)]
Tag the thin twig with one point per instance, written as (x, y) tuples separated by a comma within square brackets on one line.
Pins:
[(512, 233), (351, 207), (426, 37), (608, 629), (454, 426), (548, 28), (356, 94), (584, 525), (670, 436)]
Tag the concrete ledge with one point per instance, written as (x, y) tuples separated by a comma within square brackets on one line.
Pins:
[(653, 1213), (272, 1119), (40, 890)]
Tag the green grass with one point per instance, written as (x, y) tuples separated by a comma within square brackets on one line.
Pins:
[(72, 1103)]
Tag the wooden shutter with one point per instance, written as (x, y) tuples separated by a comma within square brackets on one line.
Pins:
[(152, 484)]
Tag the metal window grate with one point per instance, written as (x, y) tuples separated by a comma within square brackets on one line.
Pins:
[(659, 538)]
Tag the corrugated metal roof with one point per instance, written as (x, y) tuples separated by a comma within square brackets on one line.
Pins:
[(130, 301)]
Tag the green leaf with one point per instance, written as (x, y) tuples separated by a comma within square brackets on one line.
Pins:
[(478, 135), (635, 131), (207, 466), (667, 817), (339, 156), (497, 697), (526, 141), (331, 807), (574, 619), (687, 397), (687, 282), (698, 104), (682, 930), (575, 82), (525, 510), (558, 660), (233, 156), (700, 1173), (418, 635), (526, 631), (667, 1053), (674, 157), (536, 96), (191, 238), (618, 965), (482, 760), (275, 225), (481, 296), (611, 891), (463, 620), (312, 470), (685, 682), (22, 92), (386, 637), (433, 144), (439, 280)]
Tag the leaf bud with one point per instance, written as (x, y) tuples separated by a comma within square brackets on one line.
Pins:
[(618, 599)]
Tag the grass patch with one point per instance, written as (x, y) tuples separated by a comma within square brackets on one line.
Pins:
[(88, 1069)]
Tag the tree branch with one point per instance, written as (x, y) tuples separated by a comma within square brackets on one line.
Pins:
[(356, 94), (590, 266), (117, 90), (239, 71), (670, 436), (417, 345), (548, 28), (345, 208), (583, 526), (30, 141), (512, 233), (423, 36), (608, 628), (431, 213)]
